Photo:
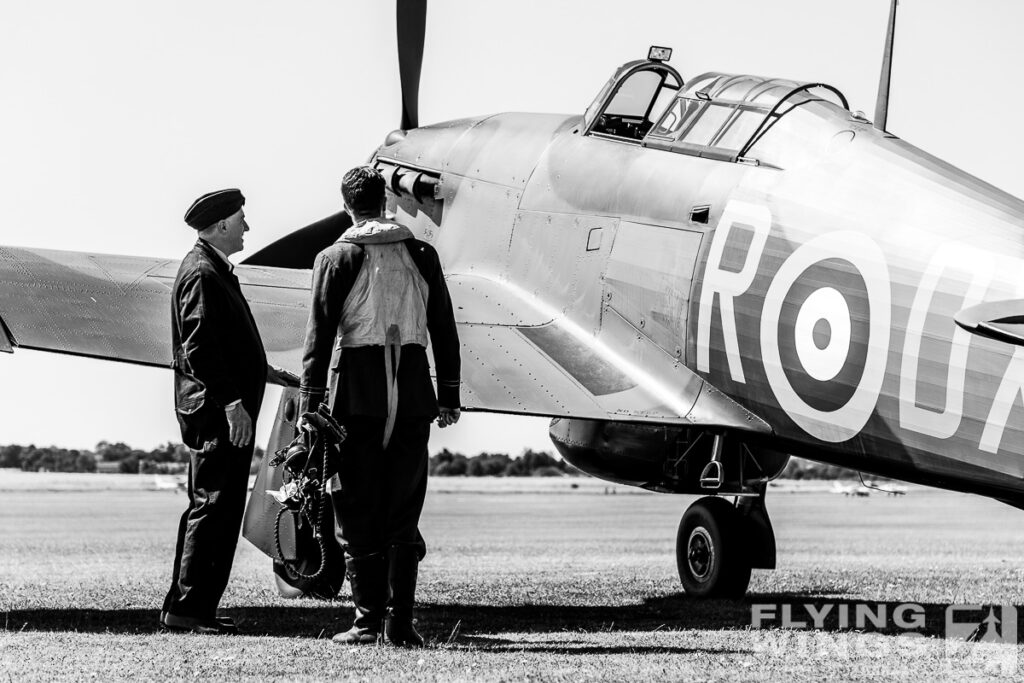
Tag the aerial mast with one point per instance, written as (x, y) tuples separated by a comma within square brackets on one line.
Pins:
[(884, 79)]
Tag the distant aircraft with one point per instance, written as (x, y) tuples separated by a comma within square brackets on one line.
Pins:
[(694, 279), (175, 484), (850, 489), (893, 489)]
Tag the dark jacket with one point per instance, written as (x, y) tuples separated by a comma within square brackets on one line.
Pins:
[(361, 381), (218, 353)]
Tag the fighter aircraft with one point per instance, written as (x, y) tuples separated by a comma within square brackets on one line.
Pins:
[(695, 279)]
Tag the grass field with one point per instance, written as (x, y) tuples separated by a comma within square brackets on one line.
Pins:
[(523, 580)]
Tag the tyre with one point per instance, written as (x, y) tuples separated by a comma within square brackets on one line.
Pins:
[(710, 555)]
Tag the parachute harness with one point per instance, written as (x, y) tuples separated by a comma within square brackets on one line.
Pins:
[(307, 460)]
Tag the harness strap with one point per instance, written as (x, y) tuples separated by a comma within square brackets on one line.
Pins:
[(392, 344)]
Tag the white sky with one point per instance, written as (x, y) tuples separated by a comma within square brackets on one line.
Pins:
[(115, 115)]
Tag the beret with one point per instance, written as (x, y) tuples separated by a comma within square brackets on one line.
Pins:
[(212, 207)]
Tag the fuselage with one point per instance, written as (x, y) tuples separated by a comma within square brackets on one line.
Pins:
[(816, 288)]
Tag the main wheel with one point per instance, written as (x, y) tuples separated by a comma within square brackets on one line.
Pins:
[(709, 550)]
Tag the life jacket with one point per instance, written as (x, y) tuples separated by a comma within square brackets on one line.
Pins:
[(387, 305), (389, 291)]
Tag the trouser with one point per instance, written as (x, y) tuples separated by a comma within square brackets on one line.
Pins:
[(218, 477), (382, 490)]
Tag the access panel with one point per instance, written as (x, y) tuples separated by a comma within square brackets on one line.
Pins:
[(648, 280)]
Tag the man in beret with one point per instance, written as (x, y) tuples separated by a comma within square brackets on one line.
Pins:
[(377, 293), (220, 373)]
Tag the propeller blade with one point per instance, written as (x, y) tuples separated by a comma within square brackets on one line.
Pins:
[(412, 26), (298, 249)]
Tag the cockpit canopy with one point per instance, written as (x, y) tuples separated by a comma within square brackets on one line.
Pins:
[(716, 115), (633, 100)]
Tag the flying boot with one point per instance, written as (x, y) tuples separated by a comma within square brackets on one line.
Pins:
[(367, 576), (403, 566)]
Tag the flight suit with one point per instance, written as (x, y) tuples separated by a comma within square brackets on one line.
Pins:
[(377, 294), (218, 358)]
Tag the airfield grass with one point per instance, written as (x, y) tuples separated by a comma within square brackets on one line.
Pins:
[(538, 581)]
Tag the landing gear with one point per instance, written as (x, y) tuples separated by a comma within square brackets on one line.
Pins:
[(718, 543), (709, 553)]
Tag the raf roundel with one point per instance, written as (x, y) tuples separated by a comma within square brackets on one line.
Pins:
[(825, 333), (822, 334)]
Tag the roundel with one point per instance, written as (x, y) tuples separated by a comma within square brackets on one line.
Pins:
[(825, 333)]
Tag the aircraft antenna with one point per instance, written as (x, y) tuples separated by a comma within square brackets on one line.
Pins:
[(884, 79), (412, 27)]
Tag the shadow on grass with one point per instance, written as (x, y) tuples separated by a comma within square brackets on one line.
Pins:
[(310, 618), (473, 624), (574, 647)]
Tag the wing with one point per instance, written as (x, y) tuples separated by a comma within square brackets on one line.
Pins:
[(118, 307), (519, 356)]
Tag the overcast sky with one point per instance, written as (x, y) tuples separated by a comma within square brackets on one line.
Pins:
[(117, 114)]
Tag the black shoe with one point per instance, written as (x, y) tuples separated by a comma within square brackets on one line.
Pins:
[(403, 567), (357, 636), (217, 626), (400, 630), (367, 577)]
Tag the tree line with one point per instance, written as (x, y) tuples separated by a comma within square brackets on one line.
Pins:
[(172, 458), (542, 464), (798, 468), (530, 464)]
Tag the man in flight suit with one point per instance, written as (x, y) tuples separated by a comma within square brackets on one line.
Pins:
[(377, 293), (220, 373)]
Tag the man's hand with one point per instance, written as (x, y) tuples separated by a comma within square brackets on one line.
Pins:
[(239, 425), (448, 416), (285, 378)]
